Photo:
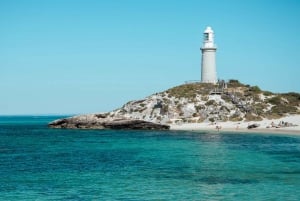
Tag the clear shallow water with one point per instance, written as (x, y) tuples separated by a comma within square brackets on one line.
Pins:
[(37, 163)]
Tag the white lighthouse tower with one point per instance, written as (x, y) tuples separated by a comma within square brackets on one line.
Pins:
[(208, 65)]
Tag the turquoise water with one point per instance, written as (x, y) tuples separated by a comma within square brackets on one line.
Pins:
[(37, 163)]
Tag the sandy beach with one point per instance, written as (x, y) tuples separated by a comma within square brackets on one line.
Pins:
[(285, 125)]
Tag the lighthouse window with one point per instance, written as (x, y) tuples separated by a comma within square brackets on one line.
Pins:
[(205, 36)]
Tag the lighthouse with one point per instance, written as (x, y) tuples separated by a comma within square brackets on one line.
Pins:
[(208, 64)]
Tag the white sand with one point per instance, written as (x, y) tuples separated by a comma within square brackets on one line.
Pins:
[(242, 126)]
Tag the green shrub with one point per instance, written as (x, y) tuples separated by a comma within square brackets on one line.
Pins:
[(234, 83), (235, 118), (276, 100), (210, 102), (293, 98), (255, 89), (267, 93), (252, 117), (294, 95), (259, 108), (211, 119), (190, 90), (270, 115), (283, 109)]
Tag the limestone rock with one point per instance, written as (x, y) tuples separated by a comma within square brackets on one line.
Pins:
[(100, 121), (135, 124)]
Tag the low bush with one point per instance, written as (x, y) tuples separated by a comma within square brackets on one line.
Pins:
[(235, 118), (234, 83), (283, 109), (255, 89), (293, 98), (252, 117), (276, 100), (211, 119), (267, 93), (210, 102)]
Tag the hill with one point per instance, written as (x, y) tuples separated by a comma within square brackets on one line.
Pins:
[(199, 102)]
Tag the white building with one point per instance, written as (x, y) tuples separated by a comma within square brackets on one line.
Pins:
[(208, 64)]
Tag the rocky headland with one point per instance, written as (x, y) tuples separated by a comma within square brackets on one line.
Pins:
[(192, 103), (101, 121)]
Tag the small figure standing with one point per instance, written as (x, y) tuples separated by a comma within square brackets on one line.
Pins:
[(272, 124)]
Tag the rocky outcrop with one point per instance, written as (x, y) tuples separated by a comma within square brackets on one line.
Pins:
[(135, 124), (191, 103), (101, 121), (204, 102)]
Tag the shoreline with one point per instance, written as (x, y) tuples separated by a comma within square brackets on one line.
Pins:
[(266, 126), (245, 131)]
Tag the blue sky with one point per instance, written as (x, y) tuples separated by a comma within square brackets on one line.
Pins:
[(72, 57)]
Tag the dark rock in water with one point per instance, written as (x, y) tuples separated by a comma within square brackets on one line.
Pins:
[(135, 124), (99, 122)]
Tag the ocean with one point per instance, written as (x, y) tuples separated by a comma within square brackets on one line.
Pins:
[(38, 163)]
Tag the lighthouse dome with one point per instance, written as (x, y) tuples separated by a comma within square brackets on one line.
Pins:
[(208, 30)]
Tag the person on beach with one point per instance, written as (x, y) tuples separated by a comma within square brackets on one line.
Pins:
[(272, 125)]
